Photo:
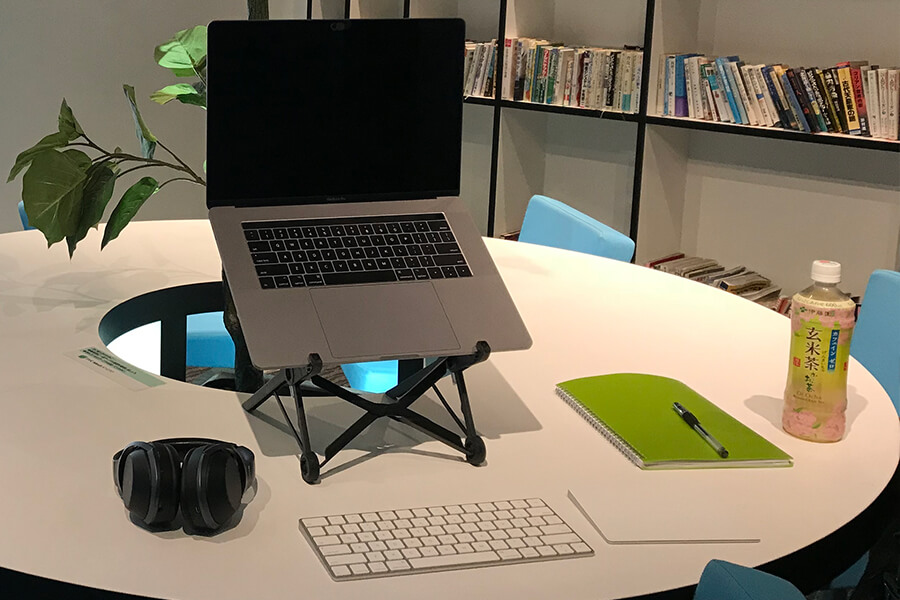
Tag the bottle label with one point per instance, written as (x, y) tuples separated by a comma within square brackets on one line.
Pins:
[(816, 394)]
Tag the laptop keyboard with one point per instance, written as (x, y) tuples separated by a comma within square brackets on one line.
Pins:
[(439, 538), (354, 250)]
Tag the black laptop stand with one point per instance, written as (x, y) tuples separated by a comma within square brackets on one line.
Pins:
[(398, 400)]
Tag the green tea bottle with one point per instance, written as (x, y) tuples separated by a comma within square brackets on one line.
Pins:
[(822, 318)]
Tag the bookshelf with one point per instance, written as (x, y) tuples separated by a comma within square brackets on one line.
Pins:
[(767, 198)]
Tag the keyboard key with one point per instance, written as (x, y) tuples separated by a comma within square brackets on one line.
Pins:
[(264, 258), (435, 273), (447, 248), (251, 235), (446, 260), (449, 272), (277, 245), (463, 271), (313, 279), (405, 275), (438, 226), (297, 281), (263, 270), (285, 257), (259, 246), (266, 234), (281, 234), (359, 277), (282, 282)]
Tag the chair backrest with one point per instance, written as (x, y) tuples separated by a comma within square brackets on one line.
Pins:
[(23, 216), (549, 222), (876, 340), (723, 580)]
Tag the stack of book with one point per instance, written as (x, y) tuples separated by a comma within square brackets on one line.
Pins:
[(852, 97), (547, 72), (738, 280)]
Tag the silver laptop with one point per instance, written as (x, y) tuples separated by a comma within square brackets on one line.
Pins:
[(333, 162)]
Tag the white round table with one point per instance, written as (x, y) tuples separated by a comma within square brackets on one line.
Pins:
[(61, 423)]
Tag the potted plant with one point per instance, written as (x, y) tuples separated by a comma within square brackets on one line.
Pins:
[(69, 179)]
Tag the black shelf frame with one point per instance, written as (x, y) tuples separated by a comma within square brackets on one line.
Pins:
[(642, 119), (775, 133)]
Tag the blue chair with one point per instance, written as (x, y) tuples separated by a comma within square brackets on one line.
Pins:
[(723, 580), (208, 342), (547, 222), (23, 216), (876, 339)]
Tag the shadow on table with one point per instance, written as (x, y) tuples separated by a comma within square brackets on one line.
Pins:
[(496, 413), (770, 407)]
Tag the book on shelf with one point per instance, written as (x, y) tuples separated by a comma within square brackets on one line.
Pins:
[(545, 72), (737, 280), (852, 97), (635, 412)]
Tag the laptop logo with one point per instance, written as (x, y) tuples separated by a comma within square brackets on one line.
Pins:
[(335, 199)]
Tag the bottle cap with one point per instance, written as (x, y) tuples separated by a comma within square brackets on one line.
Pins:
[(826, 271)]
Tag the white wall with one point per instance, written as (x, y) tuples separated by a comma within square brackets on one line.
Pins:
[(84, 51)]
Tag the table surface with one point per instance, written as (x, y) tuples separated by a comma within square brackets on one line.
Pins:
[(61, 518)]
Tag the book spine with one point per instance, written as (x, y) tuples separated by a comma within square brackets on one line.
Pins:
[(885, 101), (518, 86), (552, 75), (774, 115), (507, 80), (722, 70), (587, 75), (755, 89), (707, 103), (820, 96), (816, 111), (613, 72), (731, 73), (638, 81), (748, 102), (661, 87), (670, 86), (827, 101), (776, 95), (860, 100), (681, 103), (575, 97), (627, 81), (623, 446), (873, 103), (488, 89), (722, 107), (837, 99), (792, 116), (846, 88), (805, 107), (893, 103), (796, 109)]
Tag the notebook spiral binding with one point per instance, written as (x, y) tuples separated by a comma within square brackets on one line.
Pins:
[(623, 446)]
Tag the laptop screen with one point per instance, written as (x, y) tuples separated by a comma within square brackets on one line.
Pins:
[(319, 111)]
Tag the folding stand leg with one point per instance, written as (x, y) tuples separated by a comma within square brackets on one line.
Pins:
[(397, 408)]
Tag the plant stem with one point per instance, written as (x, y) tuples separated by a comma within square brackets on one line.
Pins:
[(181, 162), (176, 179)]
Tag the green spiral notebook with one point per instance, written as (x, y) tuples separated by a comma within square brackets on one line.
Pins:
[(634, 412)]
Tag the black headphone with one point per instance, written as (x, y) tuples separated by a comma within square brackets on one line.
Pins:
[(204, 478)]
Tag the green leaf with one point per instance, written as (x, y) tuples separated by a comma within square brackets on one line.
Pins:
[(131, 201), (67, 123), (171, 92), (52, 192), (98, 189), (185, 53), (147, 139), (54, 140)]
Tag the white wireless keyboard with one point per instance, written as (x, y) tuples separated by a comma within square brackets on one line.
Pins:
[(439, 538)]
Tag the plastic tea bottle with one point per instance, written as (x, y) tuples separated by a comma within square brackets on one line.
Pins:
[(815, 397)]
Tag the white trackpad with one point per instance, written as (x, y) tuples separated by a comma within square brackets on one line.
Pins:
[(383, 320)]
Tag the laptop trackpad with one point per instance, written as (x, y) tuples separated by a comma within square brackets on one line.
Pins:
[(383, 320)]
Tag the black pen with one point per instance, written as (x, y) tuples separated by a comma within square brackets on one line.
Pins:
[(691, 420)]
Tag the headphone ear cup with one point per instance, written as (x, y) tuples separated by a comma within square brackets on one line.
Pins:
[(148, 482), (211, 486)]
